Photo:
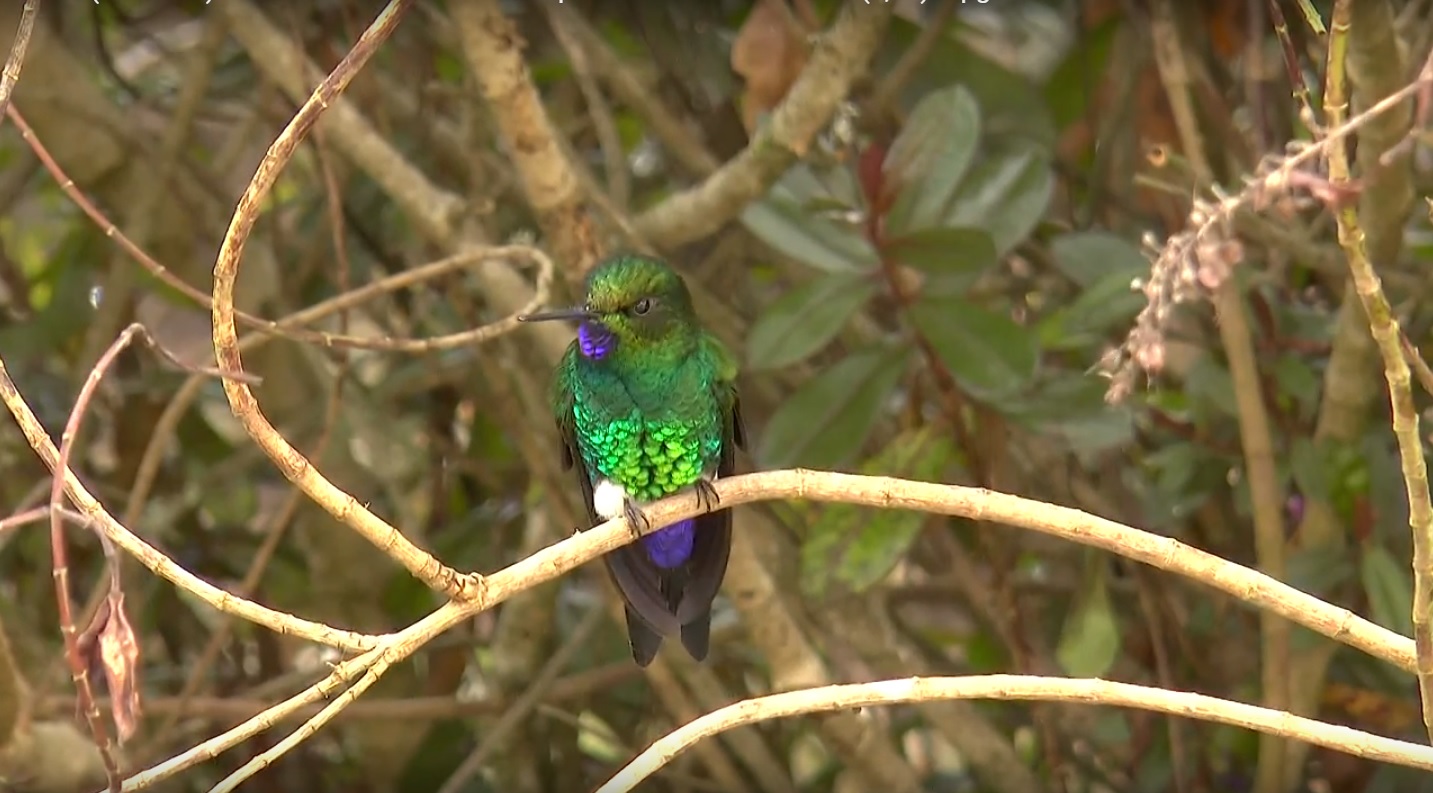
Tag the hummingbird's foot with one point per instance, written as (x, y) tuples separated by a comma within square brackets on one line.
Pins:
[(707, 495), (636, 521)]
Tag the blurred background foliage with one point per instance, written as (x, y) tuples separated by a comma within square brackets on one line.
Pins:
[(925, 294)]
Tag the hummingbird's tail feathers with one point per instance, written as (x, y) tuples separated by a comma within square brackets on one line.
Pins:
[(697, 635), (673, 586), (645, 641), (673, 602)]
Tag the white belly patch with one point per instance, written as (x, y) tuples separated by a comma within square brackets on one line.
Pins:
[(609, 499)]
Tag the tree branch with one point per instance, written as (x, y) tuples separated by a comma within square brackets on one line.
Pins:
[(1255, 438), (842, 54), (1166, 553), (289, 460), (493, 48), (150, 557), (1020, 688), (1384, 327)]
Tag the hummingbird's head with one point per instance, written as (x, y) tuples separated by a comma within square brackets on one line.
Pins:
[(633, 302)]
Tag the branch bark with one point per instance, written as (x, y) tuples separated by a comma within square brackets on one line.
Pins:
[(1255, 437), (842, 54), (1021, 688), (493, 47), (978, 504), (1378, 67)]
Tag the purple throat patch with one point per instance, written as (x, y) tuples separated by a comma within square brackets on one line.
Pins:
[(594, 341)]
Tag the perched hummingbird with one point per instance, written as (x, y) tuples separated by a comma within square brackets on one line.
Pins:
[(646, 404)]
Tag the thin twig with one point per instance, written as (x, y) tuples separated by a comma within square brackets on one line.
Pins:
[(287, 328), (1386, 334), (1255, 436), (495, 737), (294, 466), (151, 557), (675, 134), (1019, 688), (493, 47), (1165, 289), (1292, 67), (168, 423), (1420, 366), (16, 59), (619, 176), (79, 666)]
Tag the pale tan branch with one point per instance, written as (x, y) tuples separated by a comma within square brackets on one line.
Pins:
[(1019, 688), (152, 558), (289, 460)]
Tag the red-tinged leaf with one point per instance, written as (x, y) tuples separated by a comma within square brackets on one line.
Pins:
[(870, 170)]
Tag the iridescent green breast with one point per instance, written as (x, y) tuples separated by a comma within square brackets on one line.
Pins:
[(649, 458)]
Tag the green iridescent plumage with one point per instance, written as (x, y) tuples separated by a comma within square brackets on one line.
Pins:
[(646, 404), (653, 434)]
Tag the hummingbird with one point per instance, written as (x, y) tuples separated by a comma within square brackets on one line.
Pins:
[(646, 405)]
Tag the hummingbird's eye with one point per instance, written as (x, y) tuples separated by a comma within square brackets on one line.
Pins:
[(642, 306)]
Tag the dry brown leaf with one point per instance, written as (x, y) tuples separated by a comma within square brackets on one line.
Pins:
[(769, 53), (114, 646), (119, 654)]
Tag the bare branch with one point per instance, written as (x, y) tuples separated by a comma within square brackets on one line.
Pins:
[(16, 59), (493, 47), (841, 56), (1021, 688), (149, 556), (1386, 334), (294, 466)]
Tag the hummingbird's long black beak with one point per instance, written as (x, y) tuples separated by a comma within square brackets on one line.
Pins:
[(577, 314)]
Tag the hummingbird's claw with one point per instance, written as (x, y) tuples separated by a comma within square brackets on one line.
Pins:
[(636, 521), (707, 495)]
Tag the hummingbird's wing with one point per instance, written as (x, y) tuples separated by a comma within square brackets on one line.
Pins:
[(563, 403), (712, 548)]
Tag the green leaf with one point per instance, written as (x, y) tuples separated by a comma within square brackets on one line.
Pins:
[(1309, 466), (930, 156), (827, 420), (1090, 641), (945, 251), (1067, 87), (1088, 257), (1317, 570), (988, 353), (805, 319), (1072, 405), (1009, 104), (856, 546), (1106, 305), (1389, 587), (1005, 194), (813, 238)]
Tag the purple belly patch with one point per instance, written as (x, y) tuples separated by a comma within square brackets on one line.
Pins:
[(671, 546)]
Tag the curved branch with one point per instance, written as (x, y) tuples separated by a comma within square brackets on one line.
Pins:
[(11, 74), (1020, 688), (974, 503), (842, 55), (151, 557), (290, 461)]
